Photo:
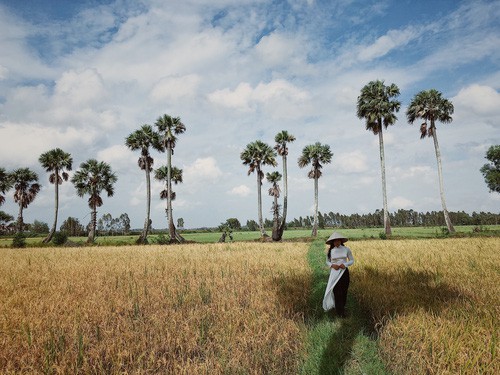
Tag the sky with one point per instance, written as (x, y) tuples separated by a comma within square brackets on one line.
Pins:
[(83, 75)]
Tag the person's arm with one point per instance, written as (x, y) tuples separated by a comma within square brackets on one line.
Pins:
[(350, 262)]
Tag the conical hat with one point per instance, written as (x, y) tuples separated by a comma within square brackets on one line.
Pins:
[(336, 236)]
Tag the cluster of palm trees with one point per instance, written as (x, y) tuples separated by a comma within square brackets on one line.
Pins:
[(377, 105), (95, 177), (258, 154)]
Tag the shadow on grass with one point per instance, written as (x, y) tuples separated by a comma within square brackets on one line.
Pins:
[(400, 291)]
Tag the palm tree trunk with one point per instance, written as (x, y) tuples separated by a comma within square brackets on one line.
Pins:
[(144, 235), (387, 222), (451, 229), (285, 200), (276, 225), (171, 227), (315, 223), (259, 203), (93, 223), (54, 225), (19, 223)]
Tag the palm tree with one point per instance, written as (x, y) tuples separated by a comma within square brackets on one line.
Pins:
[(430, 106), (169, 127), (142, 140), (26, 188), (92, 178), (161, 174), (274, 191), (256, 155), (375, 104), (56, 161), (282, 139), (316, 155), (5, 184)]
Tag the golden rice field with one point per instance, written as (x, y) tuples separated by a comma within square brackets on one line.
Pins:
[(437, 303), (193, 309), (239, 308)]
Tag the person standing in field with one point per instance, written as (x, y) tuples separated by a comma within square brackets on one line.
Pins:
[(338, 259)]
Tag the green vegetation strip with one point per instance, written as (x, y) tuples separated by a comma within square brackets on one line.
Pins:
[(337, 346)]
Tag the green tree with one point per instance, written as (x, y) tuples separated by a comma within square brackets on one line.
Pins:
[(315, 155), (72, 227), (180, 223), (39, 227), (274, 191), (5, 184), (169, 128), (5, 219), (282, 139), (430, 106), (377, 106), (26, 188), (491, 171), (92, 179), (142, 140), (56, 162), (256, 155), (233, 223)]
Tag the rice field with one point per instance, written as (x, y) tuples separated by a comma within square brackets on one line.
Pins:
[(245, 308), (436, 303), (211, 309)]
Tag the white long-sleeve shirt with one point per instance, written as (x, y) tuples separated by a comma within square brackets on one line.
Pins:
[(340, 255)]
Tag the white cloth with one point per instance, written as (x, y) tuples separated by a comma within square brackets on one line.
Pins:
[(339, 255)]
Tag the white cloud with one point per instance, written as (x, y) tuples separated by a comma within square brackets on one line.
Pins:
[(175, 88), (241, 191), (479, 99), (400, 203), (203, 171), (352, 162), (278, 98), (384, 44), (119, 157)]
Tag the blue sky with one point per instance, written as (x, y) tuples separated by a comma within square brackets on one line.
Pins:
[(82, 75)]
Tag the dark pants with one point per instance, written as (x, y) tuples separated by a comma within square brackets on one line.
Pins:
[(340, 293)]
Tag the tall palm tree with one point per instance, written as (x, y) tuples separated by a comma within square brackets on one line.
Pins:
[(274, 191), (256, 155), (169, 128), (316, 155), (430, 106), (282, 139), (56, 161), (92, 178), (5, 184), (377, 106), (143, 139), (161, 174), (26, 188)]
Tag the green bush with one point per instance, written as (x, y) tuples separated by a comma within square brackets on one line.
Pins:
[(19, 240), (382, 236), (60, 238)]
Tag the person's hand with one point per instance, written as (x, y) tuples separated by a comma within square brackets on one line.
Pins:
[(342, 266), (335, 267)]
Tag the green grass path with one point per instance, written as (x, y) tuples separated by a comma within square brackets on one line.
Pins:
[(336, 346)]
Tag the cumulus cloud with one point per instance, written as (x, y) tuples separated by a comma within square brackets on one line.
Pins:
[(175, 88), (384, 44), (203, 171), (352, 162), (241, 191), (401, 203), (480, 99), (279, 98)]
